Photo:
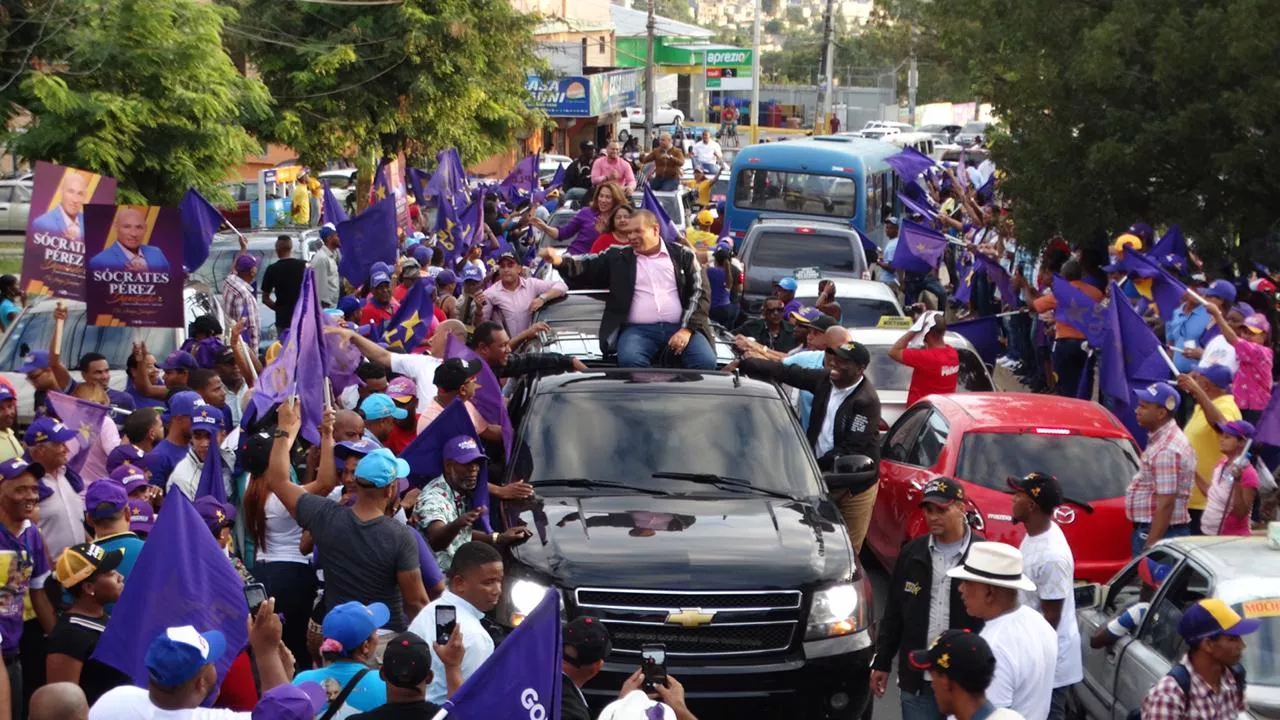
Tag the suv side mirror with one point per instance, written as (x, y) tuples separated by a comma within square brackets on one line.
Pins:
[(852, 470), (1088, 596)]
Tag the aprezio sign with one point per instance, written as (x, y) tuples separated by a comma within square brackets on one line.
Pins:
[(728, 58)]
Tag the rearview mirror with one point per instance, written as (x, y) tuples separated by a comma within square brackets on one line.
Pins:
[(852, 470), (1088, 595)]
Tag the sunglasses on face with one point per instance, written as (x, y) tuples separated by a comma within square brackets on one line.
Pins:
[(773, 309)]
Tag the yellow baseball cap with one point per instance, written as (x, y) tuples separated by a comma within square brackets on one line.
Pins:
[(78, 562)]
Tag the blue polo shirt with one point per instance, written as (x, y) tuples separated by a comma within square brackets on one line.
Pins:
[(369, 694), (162, 459)]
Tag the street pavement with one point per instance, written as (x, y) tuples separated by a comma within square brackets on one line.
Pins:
[(888, 707)]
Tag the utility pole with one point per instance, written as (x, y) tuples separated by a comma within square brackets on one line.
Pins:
[(755, 77), (913, 80), (650, 96), (826, 89)]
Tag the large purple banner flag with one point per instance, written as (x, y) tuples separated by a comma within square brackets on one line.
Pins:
[(300, 366), (425, 454), (135, 260), (919, 248), (448, 184), (331, 211), (368, 238), (54, 257), (488, 398), (407, 329), (521, 181), (909, 164), (666, 229), (84, 417), (200, 222), (182, 577)]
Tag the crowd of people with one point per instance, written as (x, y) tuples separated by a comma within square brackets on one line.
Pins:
[(355, 560)]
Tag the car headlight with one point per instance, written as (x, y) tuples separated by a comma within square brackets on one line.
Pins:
[(525, 596), (836, 611)]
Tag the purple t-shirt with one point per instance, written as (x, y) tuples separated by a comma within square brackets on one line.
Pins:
[(430, 568), (24, 564), (582, 228), (162, 459)]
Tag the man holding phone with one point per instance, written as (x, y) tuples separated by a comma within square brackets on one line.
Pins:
[(475, 586)]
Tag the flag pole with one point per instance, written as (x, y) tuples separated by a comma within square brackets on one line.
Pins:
[(248, 361), (1167, 361), (56, 347), (328, 394)]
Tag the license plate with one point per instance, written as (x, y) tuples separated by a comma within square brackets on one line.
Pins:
[(808, 273)]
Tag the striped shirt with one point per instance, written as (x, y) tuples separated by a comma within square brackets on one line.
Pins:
[(1167, 467)]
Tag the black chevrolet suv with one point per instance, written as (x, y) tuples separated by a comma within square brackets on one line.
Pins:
[(685, 508)]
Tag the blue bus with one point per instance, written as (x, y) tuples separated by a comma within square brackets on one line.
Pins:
[(833, 178)]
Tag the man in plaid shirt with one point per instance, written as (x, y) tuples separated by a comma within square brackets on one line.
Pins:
[(1156, 501), (240, 301), (1208, 683)]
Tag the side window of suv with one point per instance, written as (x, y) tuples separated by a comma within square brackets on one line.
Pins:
[(900, 441), (1160, 632), (933, 436)]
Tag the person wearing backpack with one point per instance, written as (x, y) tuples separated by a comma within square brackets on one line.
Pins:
[(1209, 682)]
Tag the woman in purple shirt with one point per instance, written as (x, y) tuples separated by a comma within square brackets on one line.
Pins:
[(590, 220)]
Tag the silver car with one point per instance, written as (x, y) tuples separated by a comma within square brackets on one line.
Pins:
[(1242, 571), (15, 205)]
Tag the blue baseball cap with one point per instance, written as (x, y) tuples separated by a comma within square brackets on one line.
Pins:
[(349, 304), (207, 418), (131, 477), (142, 517), (1159, 393), (6, 393), (186, 403), (1238, 428), (380, 468), (179, 360), (34, 360), (105, 497), (179, 653), (787, 283), (463, 449), (1211, 617), (351, 623), (10, 469), (471, 273), (124, 455), (446, 277), (326, 230), (380, 405), (1219, 375), (379, 278), (354, 448), (291, 702), (47, 429), (1221, 289), (422, 254)]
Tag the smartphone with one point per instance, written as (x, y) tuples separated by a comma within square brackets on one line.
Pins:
[(255, 594), (653, 662), (446, 622)]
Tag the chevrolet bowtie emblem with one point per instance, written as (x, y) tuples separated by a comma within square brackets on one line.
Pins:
[(690, 617)]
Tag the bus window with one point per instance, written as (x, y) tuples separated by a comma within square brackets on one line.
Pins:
[(796, 192), (872, 210)]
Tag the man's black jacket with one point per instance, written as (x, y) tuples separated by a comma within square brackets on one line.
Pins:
[(857, 421), (615, 270), (758, 330), (578, 175), (906, 617)]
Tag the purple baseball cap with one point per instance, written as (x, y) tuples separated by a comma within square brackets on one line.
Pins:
[(354, 448), (291, 702), (142, 517), (1238, 428), (463, 449), (47, 429), (1219, 375), (471, 273), (186, 403), (446, 277), (246, 262), (179, 360), (6, 392), (216, 515), (124, 455), (131, 477), (105, 497), (34, 360), (10, 469), (1160, 393)]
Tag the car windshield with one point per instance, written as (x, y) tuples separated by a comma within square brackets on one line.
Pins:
[(827, 253), (974, 127), (857, 312), (1259, 598), (337, 182), (628, 437), (889, 374), (1089, 468), (796, 192), (33, 331)]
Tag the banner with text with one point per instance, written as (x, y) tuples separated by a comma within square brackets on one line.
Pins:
[(55, 251), (728, 69), (135, 266)]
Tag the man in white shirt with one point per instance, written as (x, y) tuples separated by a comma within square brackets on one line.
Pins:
[(706, 153), (475, 586), (61, 507), (1023, 643), (421, 368), (1049, 563), (325, 265)]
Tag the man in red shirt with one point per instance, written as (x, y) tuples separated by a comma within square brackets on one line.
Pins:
[(381, 305), (936, 365)]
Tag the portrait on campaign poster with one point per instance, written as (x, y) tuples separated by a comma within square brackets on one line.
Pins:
[(54, 261), (135, 266)]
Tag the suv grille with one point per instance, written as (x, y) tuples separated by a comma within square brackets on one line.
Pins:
[(702, 624)]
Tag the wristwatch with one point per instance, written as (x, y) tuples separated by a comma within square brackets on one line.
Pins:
[(493, 538), (280, 434)]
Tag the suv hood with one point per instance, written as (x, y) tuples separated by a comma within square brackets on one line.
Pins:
[(640, 541)]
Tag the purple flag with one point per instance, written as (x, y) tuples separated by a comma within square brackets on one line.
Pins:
[(300, 366), (987, 193), (909, 164), (417, 181), (522, 675), (368, 238), (425, 454), (457, 230), (82, 416), (331, 211), (920, 209), (998, 276), (1142, 361), (1269, 424), (200, 221), (1130, 265), (448, 184), (1166, 290), (1081, 312), (666, 228), (343, 357), (488, 398), (211, 481), (407, 329), (984, 333), (964, 278), (557, 180), (521, 181), (182, 577), (1171, 249), (919, 248)]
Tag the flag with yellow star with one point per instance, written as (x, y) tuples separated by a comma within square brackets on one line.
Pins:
[(407, 329), (85, 418)]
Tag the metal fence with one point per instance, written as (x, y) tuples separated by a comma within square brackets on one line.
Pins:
[(860, 104)]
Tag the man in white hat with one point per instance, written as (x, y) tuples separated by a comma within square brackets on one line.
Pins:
[(1024, 644)]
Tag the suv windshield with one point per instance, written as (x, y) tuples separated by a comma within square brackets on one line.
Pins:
[(1090, 468), (889, 374), (857, 312), (794, 250), (627, 438)]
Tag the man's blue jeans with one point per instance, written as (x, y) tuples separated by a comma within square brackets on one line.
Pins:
[(664, 184), (922, 706), (638, 345)]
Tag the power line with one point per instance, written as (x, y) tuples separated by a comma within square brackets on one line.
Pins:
[(353, 86)]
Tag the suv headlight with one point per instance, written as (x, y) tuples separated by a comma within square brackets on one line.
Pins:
[(836, 611), (525, 596)]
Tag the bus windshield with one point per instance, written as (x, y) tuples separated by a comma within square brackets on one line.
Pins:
[(796, 192)]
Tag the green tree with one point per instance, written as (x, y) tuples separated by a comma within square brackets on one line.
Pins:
[(417, 76), (1160, 110), (140, 90), (769, 7), (674, 9), (773, 27)]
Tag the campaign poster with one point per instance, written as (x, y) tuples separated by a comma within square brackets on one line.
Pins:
[(134, 265), (395, 178), (53, 261)]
